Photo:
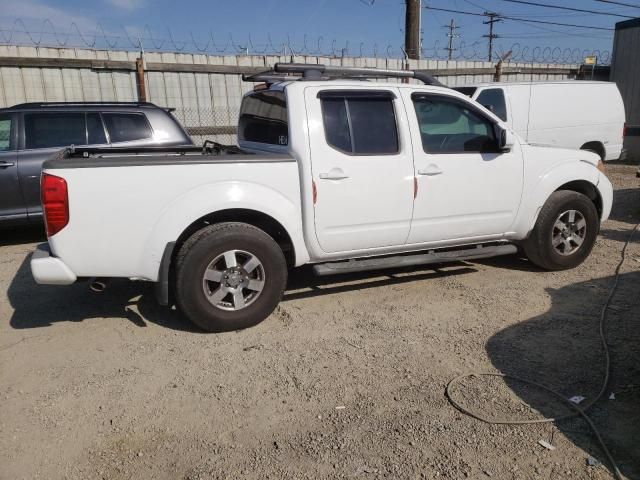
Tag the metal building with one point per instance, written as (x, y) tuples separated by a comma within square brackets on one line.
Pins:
[(625, 71)]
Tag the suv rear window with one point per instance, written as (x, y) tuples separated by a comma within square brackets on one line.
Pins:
[(126, 127), (263, 118), (45, 130)]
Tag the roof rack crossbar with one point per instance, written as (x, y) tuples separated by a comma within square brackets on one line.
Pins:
[(311, 71)]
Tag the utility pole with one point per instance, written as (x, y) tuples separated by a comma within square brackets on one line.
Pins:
[(412, 29), (493, 18), (452, 28)]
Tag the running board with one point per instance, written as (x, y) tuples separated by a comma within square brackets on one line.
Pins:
[(433, 256)]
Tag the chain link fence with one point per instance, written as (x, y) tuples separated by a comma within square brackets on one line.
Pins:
[(218, 124)]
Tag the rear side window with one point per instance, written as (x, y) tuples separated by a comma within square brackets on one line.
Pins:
[(5, 133), (493, 99), (263, 118), (45, 130), (359, 123), (127, 127)]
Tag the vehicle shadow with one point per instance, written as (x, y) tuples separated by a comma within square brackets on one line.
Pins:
[(20, 235), (561, 349), (37, 306), (626, 205)]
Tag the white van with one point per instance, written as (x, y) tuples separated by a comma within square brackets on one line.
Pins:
[(571, 114)]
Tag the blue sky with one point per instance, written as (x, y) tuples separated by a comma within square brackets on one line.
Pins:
[(328, 24)]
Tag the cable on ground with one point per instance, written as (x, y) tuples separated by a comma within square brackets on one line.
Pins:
[(578, 410)]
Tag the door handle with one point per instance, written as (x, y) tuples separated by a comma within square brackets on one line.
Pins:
[(334, 174), (431, 170), (6, 164)]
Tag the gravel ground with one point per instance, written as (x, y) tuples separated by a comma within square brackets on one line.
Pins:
[(345, 380)]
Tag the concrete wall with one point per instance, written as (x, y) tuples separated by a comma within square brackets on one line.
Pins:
[(201, 99)]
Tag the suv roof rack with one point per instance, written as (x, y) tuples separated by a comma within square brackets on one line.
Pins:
[(311, 71), (81, 104)]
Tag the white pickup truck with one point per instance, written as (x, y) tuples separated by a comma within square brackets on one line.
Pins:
[(345, 174)]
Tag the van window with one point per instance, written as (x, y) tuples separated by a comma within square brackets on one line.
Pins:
[(127, 127), (360, 125), (95, 129), (448, 125), (494, 98), (46, 130), (263, 118), (5, 133), (468, 91)]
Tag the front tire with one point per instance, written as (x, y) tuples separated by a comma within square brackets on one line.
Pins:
[(229, 276), (565, 231)]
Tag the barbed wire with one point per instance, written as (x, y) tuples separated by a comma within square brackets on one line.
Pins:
[(48, 35)]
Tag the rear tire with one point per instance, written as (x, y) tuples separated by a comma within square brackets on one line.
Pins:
[(565, 231), (229, 276)]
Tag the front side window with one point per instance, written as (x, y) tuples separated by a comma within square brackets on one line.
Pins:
[(5, 133), (47, 130), (360, 123), (493, 99), (449, 125), (127, 127), (263, 118)]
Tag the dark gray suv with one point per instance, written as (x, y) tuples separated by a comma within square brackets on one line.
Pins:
[(32, 132)]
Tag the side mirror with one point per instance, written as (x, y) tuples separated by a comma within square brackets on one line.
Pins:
[(506, 140)]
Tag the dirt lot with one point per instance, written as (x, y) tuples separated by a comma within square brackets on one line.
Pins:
[(346, 379)]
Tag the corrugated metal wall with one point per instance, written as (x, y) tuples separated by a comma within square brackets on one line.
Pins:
[(625, 71), (200, 99)]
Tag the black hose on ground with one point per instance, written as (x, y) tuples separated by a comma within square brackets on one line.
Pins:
[(578, 410)]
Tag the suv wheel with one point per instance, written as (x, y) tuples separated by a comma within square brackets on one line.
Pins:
[(564, 233), (229, 276)]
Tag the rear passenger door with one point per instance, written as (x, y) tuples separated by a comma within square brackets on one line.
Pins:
[(362, 167), (11, 201)]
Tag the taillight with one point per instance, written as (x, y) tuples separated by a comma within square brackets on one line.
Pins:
[(55, 203)]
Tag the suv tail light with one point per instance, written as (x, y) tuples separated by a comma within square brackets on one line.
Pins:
[(55, 202)]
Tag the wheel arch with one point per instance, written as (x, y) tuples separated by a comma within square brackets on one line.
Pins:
[(588, 189), (261, 220), (595, 146)]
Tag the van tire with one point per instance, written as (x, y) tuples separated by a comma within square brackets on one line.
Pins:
[(539, 246), (198, 298)]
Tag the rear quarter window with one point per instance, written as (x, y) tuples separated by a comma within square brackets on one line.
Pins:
[(263, 118), (127, 127)]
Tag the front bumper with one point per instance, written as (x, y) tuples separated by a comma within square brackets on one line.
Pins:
[(49, 270)]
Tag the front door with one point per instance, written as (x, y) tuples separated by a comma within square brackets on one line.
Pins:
[(362, 167), (12, 205), (467, 188)]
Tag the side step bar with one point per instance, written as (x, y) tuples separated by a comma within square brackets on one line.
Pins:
[(433, 256)]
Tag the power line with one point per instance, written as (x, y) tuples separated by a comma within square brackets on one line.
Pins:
[(618, 3), (504, 17), (546, 5)]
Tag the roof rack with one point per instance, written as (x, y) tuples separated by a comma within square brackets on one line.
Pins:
[(81, 104), (312, 71)]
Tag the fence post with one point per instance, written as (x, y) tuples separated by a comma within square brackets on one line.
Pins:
[(142, 89)]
